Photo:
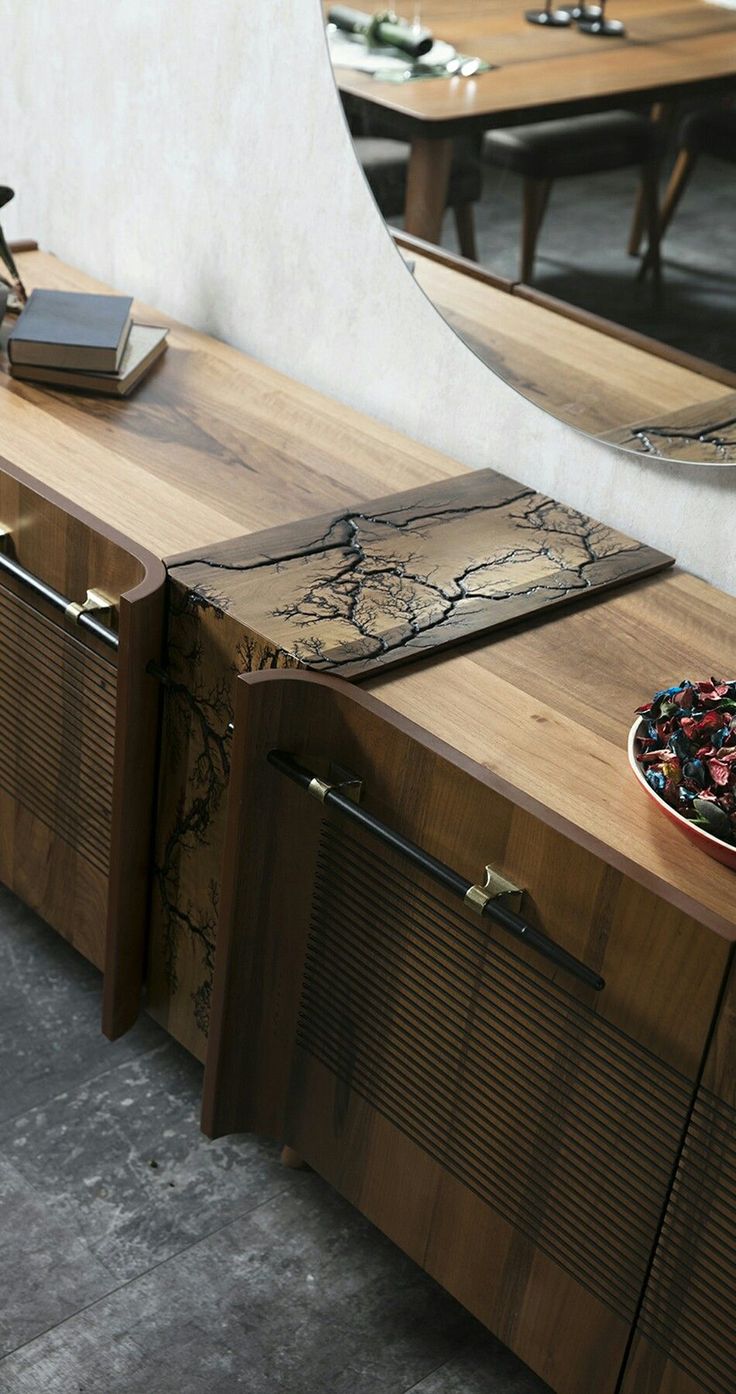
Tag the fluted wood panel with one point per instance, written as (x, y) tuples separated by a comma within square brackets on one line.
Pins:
[(57, 728), (512, 1130), (562, 1122)]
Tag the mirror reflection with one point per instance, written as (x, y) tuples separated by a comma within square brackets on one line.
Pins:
[(562, 182)]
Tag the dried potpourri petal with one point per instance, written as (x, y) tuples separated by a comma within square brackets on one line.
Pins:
[(686, 746)]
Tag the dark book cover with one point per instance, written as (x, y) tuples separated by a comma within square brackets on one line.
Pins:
[(67, 329)]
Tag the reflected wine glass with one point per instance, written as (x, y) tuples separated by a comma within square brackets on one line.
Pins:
[(553, 19), (611, 28)]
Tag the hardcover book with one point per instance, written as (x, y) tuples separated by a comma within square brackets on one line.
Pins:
[(146, 343), (68, 329)]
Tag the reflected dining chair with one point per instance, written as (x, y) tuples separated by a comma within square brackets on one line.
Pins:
[(571, 147), (703, 133), (384, 160)]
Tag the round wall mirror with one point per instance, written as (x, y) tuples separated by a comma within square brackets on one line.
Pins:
[(561, 182)]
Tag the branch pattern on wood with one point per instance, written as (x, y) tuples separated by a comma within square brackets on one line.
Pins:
[(350, 592), (706, 432), (387, 581), (206, 651)]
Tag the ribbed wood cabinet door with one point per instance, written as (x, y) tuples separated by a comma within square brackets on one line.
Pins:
[(686, 1335), (78, 728), (510, 1127)]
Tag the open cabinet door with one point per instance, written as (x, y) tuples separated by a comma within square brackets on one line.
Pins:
[(81, 615), (501, 1086)]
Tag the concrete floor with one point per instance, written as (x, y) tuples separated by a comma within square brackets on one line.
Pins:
[(138, 1258)]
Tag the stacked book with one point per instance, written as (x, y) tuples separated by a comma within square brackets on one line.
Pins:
[(83, 342)]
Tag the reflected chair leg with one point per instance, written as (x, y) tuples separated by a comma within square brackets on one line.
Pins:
[(661, 115), (679, 180), (650, 190), (465, 225), (533, 198), (543, 192), (291, 1159)]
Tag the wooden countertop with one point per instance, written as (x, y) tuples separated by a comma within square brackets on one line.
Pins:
[(546, 708), (578, 370), (213, 444)]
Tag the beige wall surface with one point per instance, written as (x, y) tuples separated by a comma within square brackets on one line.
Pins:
[(195, 155)]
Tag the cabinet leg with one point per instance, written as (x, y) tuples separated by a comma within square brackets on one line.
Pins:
[(291, 1159)]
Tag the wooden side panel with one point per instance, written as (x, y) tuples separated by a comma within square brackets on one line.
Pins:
[(511, 1129), (133, 807), (686, 1336), (205, 651)]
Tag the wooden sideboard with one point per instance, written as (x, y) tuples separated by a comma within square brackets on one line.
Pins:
[(577, 1195), (512, 1124)]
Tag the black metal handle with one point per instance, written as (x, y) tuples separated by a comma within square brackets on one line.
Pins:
[(59, 601), (331, 796)]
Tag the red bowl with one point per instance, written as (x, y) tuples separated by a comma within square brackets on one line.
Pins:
[(715, 847)]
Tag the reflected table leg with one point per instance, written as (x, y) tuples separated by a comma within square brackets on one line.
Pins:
[(426, 189)]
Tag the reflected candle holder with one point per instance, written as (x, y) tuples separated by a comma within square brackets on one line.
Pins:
[(609, 28), (552, 19), (585, 13)]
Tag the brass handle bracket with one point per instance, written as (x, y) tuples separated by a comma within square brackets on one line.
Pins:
[(97, 603), (339, 781), (494, 887)]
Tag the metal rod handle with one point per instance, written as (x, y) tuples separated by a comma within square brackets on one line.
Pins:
[(60, 602), (514, 924)]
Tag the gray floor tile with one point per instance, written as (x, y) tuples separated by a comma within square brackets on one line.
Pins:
[(302, 1296), (123, 1161), (46, 1270), (50, 1014), (137, 1256), (582, 253)]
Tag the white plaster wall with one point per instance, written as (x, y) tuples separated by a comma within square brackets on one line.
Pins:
[(194, 154)]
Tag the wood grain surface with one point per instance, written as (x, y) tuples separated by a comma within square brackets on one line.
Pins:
[(394, 579), (402, 576), (205, 651), (212, 425), (513, 1131), (546, 709), (212, 444)]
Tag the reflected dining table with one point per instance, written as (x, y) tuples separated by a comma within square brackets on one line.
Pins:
[(672, 50)]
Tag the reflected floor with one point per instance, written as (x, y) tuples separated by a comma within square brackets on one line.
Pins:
[(582, 256), (139, 1258)]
